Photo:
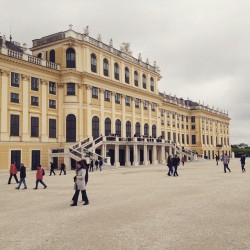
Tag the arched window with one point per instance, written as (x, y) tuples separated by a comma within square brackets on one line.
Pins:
[(128, 129), (152, 85), (95, 127), (118, 128), (154, 131), (116, 71), (105, 67), (144, 81), (70, 128), (126, 75), (136, 80), (138, 129), (93, 63), (107, 126), (39, 55), (70, 58), (146, 129), (52, 56)]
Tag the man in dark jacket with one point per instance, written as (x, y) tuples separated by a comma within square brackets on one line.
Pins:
[(63, 169), (176, 162), (22, 176), (52, 167), (169, 164), (243, 162)]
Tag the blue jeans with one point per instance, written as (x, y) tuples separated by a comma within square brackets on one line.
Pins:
[(22, 180), (41, 181)]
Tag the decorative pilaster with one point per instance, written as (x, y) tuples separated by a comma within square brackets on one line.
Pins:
[(88, 106), (113, 113), (102, 123), (61, 118), (44, 103), (123, 134)]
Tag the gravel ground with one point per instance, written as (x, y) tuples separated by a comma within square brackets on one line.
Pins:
[(131, 208)]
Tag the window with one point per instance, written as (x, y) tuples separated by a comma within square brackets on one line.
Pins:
[(118, 127), (95, 92), (137, 129), (39, 55), (107, 126), (187, 138), (70, 58), (193, 139), (144, 81), (207, 139), (14, 97), (107, 96), (153, 105), (127, 100), (34, 101), (162, 122), (34, 126), (152, 85), (169, 136), (52, 104), (174, 137), (211, 140), (95, 127), (192, 118), (15, 79), (193, 127), (70, 128), (186, 126), (168, 123), (52, 128), (105, 67), (70, 88), (93, 63), (136, 80), (145, 105), (154, 131), (203, 139), (116, 71), (117, 98), (14, 125), (146, 129), (137, 103), (52, 56), (128, 129), (34, 83), (52, 88), (126, 75)]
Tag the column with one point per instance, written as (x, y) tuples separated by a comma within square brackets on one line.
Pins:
[(150, 118), (170, 150), (117, 160), (142, 117), (113, 113), (88, 107), (80, 120), (145, 154), (104, 149), (4, 106), (25, 121), (61, 119), (128, 163), (133, 116), (158, 125), (44, 102), (102, 123), (154, 155), (123, 134), (135, 163), (163, 159)]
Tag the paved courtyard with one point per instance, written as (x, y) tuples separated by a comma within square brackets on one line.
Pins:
[(131, 208)]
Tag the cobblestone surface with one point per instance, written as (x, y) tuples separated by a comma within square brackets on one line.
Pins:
[(131, 208)]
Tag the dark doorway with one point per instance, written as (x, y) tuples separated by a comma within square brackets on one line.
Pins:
[(73, 164), (111, 154), (122, 157), (141, 156), (131, 156), (150, 156), (35, 160), (16, 157), (55, 161)]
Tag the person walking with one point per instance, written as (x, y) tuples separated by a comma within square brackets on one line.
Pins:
[(96, 164), (13, 172), (63, 168), (52, 167), (39, 177), (170, 165), (226, 161), (100, 164), (79, 185), (22, 176), (91, 168), (183, 160), (176, 162), (217, 159), (243, 162)]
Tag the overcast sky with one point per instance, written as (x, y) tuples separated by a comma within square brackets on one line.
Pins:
[(201, 46)]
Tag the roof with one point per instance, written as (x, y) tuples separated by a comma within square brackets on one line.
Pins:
[(11, 46)]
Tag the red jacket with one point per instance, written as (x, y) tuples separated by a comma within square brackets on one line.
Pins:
[(13, 169), (39, 174)]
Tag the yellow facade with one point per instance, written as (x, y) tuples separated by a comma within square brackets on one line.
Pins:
[(81, 94)]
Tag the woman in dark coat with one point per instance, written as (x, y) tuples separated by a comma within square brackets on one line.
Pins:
[(170, 165)]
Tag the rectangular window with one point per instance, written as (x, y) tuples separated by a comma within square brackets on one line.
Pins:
[(127, 100), (14, 97), (14, 125), (211, 140), (145, 105), (187, 137), (52, 128), (186, 118), (34, 83), (34, 127), (95, 92), (15, 79), (137, 103), (174, 137), (162, 122), (35, 159), (193, 139), (168, 123), (203, 139), (169, 136), (153, 105), (107, 96), (193, 127), (71, 88), (192, 118), (182, 138), (207, 139), (117, 98), (34, 101), (52, 104), (52, 88), (186, 126)]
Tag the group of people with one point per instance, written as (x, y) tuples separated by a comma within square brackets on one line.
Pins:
[(173, 162), (98, 164)]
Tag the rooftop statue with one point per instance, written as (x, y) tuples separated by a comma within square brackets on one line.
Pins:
[(125, 47)]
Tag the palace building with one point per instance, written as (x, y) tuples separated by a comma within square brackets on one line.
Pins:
[(72, 96)]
